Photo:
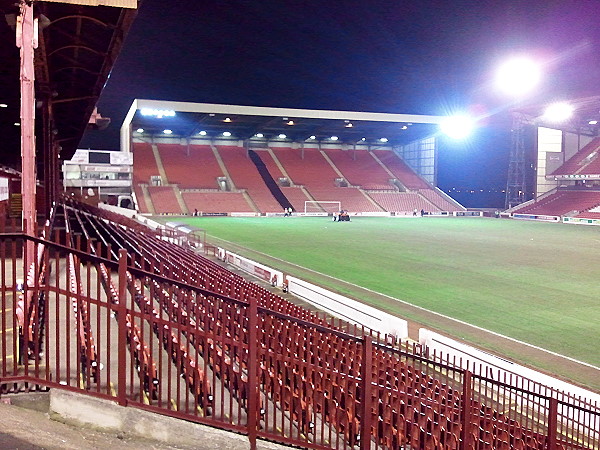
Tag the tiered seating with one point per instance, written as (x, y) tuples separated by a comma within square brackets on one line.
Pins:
[(270, 163), (164, 200), (216, 202), (563, 202), (439, 201), (245, 176), (87, 350), (197, 170), (296, 196), (141, 201), (401, 170), (352, 199), (405, 202), (360, 168), (589, 215), (321, 175), (582, 162), (320, 179), (144, 163)]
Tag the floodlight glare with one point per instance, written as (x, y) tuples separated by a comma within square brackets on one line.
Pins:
[(140, 130), (313, 137), (167, 131), (3, 105), (383, 139), (226, 133), (334, 138), (259, 135), (593, 122), (282, 136), (158, 113), (363, 139), (456, 127), (404, 127), (518, 76), (202, 133), (558, 112)]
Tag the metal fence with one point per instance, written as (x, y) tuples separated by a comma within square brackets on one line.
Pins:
[(85, 322)]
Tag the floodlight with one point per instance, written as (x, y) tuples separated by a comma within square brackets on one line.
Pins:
[(282, 136), (457, 127), (363, 139), (383, 140), (404, 127), (349, 125), (334, 138), (140, 130), (558, 112), (593, 122), (291, 122), (313, 137), (167, 131), (17, 124), (158, 113), (3, 105), (518, 76), (202, 133), (259, 135), (227, 119), (226, 133)]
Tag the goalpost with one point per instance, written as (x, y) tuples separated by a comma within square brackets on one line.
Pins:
[(322, 207)]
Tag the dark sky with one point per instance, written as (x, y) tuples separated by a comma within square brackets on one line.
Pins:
[(428, 57)]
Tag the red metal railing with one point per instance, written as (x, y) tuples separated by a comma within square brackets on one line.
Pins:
[(106, 327)]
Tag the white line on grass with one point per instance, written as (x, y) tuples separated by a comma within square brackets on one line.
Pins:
[(419, 307)]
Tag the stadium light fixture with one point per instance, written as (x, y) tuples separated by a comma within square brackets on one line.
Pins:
[(227, 119), (226, 133), (518, 76), (290, 123), (158, 113), (349, 125), (282, 136), (363, 139), (593, 122), (457, 127), (334, 138), (313, 137), (17, 124), (404, 127), (3, 105), (167, 131), (558, 112), (259, 135), (139, 130), (202, 133), (384, 140)]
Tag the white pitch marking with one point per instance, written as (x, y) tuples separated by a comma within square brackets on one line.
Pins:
[(421, 308)]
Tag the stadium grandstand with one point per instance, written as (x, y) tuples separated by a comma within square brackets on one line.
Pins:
[(563, 181), (225, 159), (100, 302)]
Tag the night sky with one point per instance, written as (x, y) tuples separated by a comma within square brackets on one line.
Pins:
[(423, 57)]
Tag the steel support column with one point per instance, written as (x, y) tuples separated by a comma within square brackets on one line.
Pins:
[(27, 43), (516, 182)]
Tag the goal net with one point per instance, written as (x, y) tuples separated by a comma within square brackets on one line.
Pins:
[(327, 207)]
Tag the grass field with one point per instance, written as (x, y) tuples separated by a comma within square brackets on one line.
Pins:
[(536, 282)]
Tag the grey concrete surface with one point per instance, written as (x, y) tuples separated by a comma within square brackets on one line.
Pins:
[(75, 421)]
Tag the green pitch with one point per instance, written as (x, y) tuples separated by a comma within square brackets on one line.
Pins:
[(535, 282)]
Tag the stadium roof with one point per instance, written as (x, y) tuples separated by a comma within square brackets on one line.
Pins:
[(78, 46), (186, 120)]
